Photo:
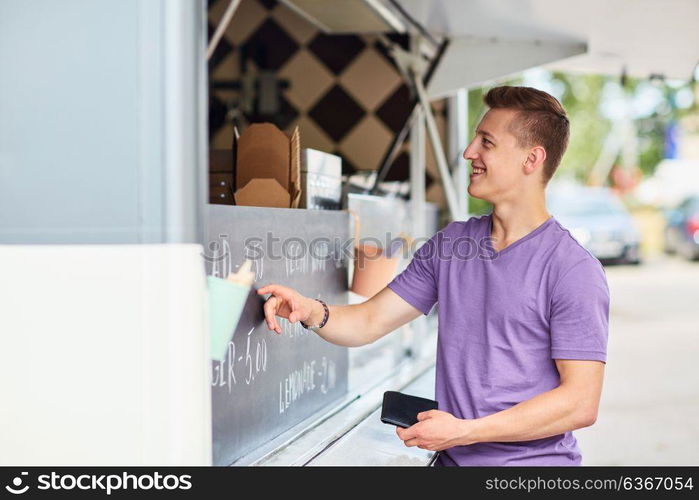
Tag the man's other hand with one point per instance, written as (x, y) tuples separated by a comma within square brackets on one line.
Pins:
[(435, 430)]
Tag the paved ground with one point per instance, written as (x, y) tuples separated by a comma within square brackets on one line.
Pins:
[(650, 404)]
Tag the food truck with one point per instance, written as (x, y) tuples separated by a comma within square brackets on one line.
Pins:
[(150, 149)]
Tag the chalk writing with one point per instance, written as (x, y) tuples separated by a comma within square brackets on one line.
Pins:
[(292, 330), (221, 260), (254, 362), (311, 376), (319, 257), (252, 252)]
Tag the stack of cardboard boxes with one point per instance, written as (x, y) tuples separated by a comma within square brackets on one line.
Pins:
[(262, 169)]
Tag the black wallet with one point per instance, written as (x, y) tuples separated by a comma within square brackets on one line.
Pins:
[(402, 409)]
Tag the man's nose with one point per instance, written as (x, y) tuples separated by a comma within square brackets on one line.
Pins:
[(469, 152)]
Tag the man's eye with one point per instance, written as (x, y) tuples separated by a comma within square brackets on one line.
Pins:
[(486, 141)]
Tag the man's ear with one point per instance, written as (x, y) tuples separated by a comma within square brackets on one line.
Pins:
[(535, 159)]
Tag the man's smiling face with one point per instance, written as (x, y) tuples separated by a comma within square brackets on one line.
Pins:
[(496, 158)]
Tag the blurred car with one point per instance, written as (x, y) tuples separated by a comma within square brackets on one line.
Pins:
[(599, 221), (682, 229)]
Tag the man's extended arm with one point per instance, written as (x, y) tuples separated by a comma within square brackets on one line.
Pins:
[(571, 405), (350, 325)]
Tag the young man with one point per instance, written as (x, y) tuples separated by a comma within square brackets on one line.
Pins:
[(523, 321)]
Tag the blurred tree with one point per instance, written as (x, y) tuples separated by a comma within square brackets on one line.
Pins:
[(582, 96)]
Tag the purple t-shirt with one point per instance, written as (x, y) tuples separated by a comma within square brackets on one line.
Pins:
[(504, 317)]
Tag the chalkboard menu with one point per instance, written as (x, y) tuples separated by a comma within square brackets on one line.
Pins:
[(268, 382)]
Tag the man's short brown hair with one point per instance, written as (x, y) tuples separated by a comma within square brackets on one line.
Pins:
[(541, 121)]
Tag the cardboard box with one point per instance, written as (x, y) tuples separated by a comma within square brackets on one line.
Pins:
[(267, 167)]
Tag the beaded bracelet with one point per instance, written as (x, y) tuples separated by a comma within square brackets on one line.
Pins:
[(326, 315)]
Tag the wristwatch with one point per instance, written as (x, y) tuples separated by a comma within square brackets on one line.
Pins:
[(326, 315)]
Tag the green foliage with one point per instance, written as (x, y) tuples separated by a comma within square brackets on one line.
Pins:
[(588, 128)]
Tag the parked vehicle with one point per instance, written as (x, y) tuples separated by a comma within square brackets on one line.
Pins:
[(682, 229), (599, 221)]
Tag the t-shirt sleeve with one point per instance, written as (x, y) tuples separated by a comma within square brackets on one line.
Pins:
[(417, 283), (580, 313)]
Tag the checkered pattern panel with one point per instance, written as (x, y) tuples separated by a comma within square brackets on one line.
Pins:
[(343, 91)]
